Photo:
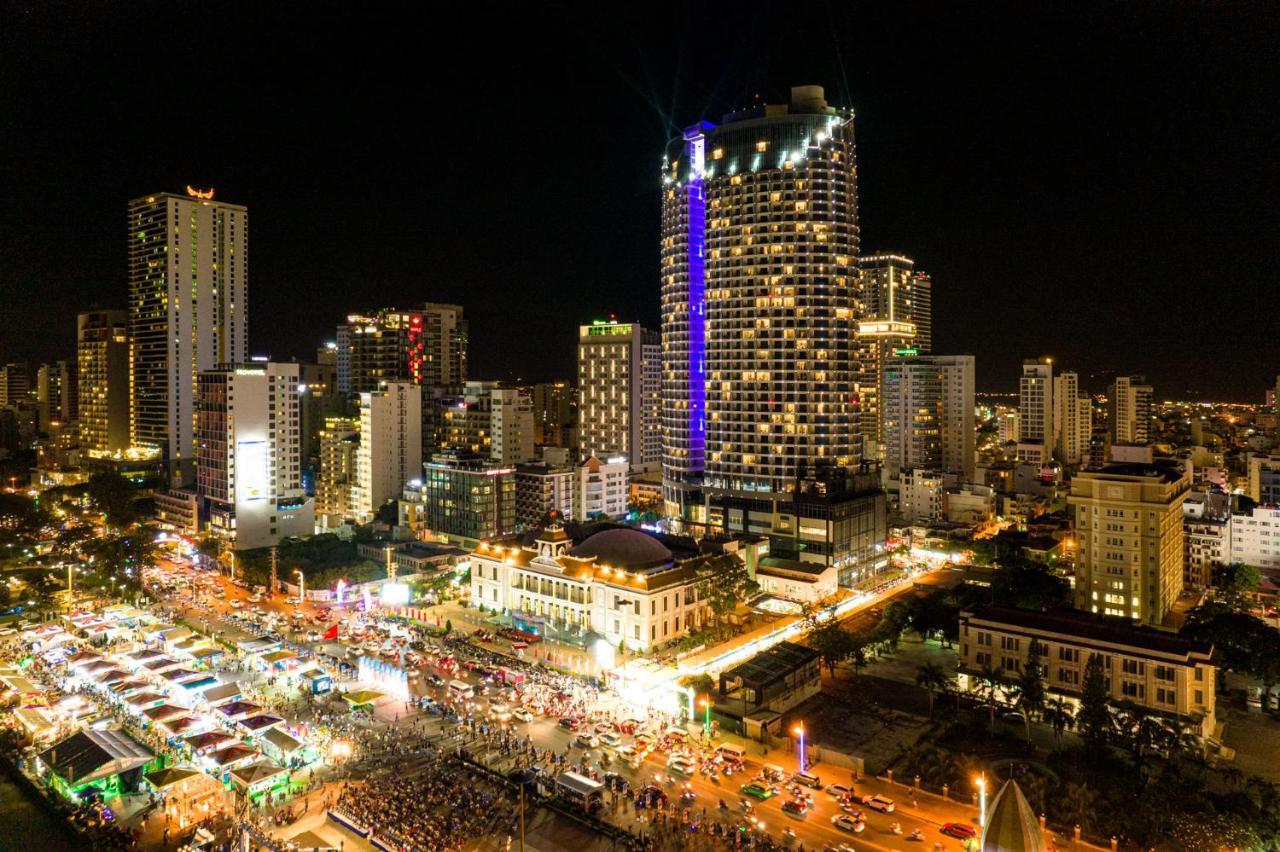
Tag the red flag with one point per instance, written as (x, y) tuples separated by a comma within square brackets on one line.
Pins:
[(331, 633)]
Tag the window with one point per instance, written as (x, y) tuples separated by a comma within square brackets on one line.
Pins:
[(637, 632), (1199, 697)]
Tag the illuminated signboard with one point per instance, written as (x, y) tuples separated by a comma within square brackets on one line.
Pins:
[(395, 594), (252, 471)]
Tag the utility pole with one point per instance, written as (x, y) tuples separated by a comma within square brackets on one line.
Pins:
[(271, 593), (521, 818), (391, 562)]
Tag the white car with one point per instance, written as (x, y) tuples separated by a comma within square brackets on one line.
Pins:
[(522, 714), (878, 802), (587, 740), (610, 739), (680, 764), (237, 604)]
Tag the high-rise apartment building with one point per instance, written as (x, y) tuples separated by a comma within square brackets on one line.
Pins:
[(339, 442), (390, 449), (620, 392), (1129, 406), (555, 413), (15, 384), (249, 466), (1007, 426), (56, 396), (102, 361), (877, 342), (759, 275), (602, 489), (1129, 534), (188, 312), (462, 496), (426, 346), (928, 414), (544, 490), (510, 426), (1073, 419), (1035, 412), (893, 290)]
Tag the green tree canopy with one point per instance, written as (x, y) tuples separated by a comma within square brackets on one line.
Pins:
[(113, 495), (1094, 716), (1236, 584)]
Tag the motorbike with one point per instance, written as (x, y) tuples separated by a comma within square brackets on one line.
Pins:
[(723, 806), (896, 828), (916, 835)]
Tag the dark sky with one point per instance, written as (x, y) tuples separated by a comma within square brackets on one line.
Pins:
[(1092, 181)]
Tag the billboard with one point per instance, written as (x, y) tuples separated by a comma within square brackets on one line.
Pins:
[(253, 479)]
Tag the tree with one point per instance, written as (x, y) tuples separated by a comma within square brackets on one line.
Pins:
[(1029, 691), (725, 585), (1027, 585), (1094, 716), (1236, 584), (389, 513), (112, 495), (832, 642), (1057, 712), (1079, 805), (932, 678), (989, 680), (448, 626)]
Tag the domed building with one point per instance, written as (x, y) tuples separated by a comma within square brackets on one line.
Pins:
[(1011, 824), (626, 585)]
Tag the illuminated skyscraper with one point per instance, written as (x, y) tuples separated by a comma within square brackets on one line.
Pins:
[(188, 312), (759, 292), (893, 290), (426, 346), (102, 355), (619, 388), (1129, 401), (1035, 412)]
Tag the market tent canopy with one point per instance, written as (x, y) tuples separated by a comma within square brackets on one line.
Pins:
[(225, 692), (278, 656), (169, 776), (163, 712), (363, 697), (256, 773), (212, 739), (282, 741), (92, 754)]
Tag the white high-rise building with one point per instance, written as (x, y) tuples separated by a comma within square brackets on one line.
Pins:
[(188, 312), (249, 470), (510, 426), (619, 392), (602, 489), (390, 451), (955, 414), (894, 290), (1035, 412), (1073, 419)]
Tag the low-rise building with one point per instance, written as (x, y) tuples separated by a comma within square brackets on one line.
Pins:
[(178, 509), (462, 496), (969, 504), (1255, 537), (920, 497), (625, 585), (802, 582), (543, 490), (1157, 671), (602, 489), (775, 680)]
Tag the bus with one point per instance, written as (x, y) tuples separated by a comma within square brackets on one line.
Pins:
[(461, 689)]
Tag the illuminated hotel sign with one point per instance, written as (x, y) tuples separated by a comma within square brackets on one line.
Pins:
[(886, 327), (203, 194)]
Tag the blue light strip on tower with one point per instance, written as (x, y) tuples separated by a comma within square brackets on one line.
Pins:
[(695, 155)]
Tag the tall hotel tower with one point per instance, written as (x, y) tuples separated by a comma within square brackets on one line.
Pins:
[(759, 297), (188, 313)]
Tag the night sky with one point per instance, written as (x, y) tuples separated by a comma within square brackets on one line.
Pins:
[(1092, 181)]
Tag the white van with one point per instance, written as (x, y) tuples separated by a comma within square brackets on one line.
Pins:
[(731, 752), (461, 689)]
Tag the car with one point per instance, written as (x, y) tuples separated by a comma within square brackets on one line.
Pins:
[(844, 822), (569, 723), (435, 679), (683, 765), (795, 808), (604, 727), (877, 802), (587, 740), (629, 726), (758, 791), (237, 604), (522, 714), (839, 790), (808, 779), (959, 830)]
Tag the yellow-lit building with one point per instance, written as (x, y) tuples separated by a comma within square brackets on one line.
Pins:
[(1128, 521)]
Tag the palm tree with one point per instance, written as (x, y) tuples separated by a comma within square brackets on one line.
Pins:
[(1058, 713), (932, 678), (1078, 805), (989, 680)]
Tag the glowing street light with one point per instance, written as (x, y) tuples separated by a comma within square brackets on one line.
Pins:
[(800, 730), (705, 703), (302, 586), (982, 800)]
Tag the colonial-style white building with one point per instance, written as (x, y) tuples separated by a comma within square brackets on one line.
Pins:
[(626, 585)]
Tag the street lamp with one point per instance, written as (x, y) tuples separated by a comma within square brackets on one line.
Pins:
[(800, 731), (982, 800), (302, 586), (705, 703)]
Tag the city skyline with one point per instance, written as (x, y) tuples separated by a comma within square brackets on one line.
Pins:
[(994, 194)]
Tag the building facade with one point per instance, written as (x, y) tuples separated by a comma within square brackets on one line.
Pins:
[(188, 313), (544, 491), (928, 414), (336, 475), (1035, 412), (759, 247), (628, 586), (1073, 419), (555, 414), (510, 426), (619, 392), (102, 358), (463, 497), (893, 289), (1255, 537), (1154, 670), (249, 468), (389, 453), (1128, 520), (1129, 407), (602, 489)]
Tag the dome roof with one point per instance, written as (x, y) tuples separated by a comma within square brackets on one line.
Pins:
[(623, 547), (1012, 826)]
